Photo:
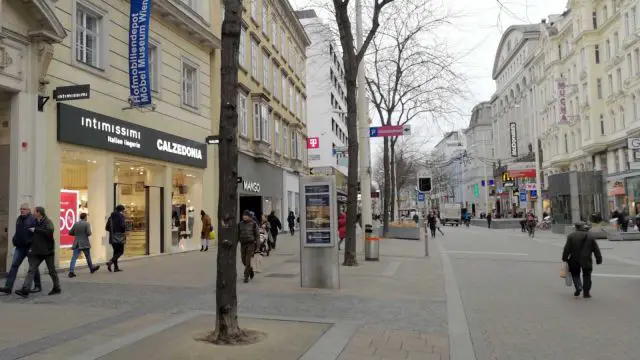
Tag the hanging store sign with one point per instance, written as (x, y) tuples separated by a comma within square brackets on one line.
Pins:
[(313, 143), (72, 92), (139, 80), (86, 128), (562, 102), (251, 186), (513, 134)]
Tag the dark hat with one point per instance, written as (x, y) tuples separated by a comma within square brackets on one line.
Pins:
[(246, 213), (581, 225)]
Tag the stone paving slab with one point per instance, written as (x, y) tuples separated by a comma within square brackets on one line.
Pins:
[(285, 341), (380, 343)]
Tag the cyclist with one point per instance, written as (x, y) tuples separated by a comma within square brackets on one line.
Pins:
[(531, 223)]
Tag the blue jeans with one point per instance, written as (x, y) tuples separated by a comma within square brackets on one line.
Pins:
[(18, 257), (74, 257)]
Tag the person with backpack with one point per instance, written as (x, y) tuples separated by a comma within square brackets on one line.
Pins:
[(117, 228)]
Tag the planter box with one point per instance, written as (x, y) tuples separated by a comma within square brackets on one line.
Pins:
[(406, 233), (498, 223), (623, 236)]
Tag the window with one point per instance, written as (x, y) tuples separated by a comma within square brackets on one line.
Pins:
[(610, 83), (608, 48), (616, 44), (254, 9), (304, 110), (633, 20), (566, 143), (597, 54), (276, 135), (275, 81), (636, 60), (154, 68), (242, 56), (88, 42), (559, 51), (242, 114), (605, 13), (627, 24), (594, 19), (285, 140), (254, 58), (283, 41), (601, 124), (256, 121), (292, 107), (619, 78), (189, 85), (266, 70), (265, 123), (629, 66), (583, 60), (285, 91), (294, 145), (265, 17), (274, 31)]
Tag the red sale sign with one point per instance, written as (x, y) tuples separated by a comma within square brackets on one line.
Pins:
[(69, 202), (313, 143)]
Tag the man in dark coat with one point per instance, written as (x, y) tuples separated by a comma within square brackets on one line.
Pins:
[(275, 226), (577, 253), (42, 249), (22, 242), (249, 238)]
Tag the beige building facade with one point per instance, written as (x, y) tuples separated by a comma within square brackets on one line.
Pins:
[(89, 155)]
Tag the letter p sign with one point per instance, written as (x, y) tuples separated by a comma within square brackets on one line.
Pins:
[(313, 143)]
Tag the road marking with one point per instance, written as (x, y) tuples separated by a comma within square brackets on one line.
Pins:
[(333, 342), (460, 345), (485, 253), (391, 269), (626, 276)]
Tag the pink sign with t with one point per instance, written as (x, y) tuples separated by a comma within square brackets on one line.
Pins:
[(313, 143)]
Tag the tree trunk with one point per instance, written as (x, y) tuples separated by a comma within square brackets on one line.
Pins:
[(227, 328), (387, 188), (392, 166), (350, 61)]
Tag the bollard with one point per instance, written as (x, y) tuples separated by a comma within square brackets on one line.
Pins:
[(424, 234), (371, 244)]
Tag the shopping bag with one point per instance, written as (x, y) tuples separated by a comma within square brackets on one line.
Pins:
[(564, 270), (256, 263), (212, 235), (568, 280)]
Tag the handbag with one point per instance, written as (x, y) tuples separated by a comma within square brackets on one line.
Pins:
[(564, 269), (116, 238)]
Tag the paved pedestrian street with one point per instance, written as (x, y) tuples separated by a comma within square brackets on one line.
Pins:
[(480, 295)]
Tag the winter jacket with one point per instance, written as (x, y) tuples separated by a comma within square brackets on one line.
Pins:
[(22, 237), (43, 243), (116, 223), (81, 230), (274, 224), (248, 232), (207, 228), (342, 225), (291, 220), (578, 249)]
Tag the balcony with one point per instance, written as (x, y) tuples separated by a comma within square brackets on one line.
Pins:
[(630, 40), (262, 150), (614, 61), (185, 18)]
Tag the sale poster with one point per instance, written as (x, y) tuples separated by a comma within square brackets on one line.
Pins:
[(69, 203)]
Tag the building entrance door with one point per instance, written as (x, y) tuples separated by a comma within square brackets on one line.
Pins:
[(5, 135)]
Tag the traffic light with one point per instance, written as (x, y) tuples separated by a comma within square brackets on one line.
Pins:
[(424, 184)]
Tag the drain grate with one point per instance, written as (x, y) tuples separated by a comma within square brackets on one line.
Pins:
[(281, 275)]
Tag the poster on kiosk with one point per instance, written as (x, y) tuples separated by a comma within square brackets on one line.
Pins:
[(318, 221)]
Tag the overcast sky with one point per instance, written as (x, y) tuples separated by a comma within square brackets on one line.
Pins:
[(475, 34)]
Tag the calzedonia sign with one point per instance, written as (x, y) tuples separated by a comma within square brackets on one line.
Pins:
[(83, 127)]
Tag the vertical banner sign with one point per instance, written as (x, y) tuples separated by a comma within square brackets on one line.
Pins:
[(513, 134), (69, 204), (562, 102), (139, 81)]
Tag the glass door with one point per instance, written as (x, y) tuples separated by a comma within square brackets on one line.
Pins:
[(134, 199), (155, 219)]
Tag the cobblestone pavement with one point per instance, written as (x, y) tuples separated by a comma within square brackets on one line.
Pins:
[(518, 308), (399, 301)]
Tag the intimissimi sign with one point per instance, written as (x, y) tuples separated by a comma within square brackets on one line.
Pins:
[(86, 128)]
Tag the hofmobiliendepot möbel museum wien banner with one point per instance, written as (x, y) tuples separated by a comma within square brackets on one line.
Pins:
[(139, 81)]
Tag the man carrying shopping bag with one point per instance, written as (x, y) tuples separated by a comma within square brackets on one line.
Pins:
[(577, 253)]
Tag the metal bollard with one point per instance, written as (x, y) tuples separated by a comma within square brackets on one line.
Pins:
[(424, 234), (371, 244)]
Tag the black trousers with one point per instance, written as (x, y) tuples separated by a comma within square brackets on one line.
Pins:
[(34, 263), (433, 231), (585, 282), (118, 250)]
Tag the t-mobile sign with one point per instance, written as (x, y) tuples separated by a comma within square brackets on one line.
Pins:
[(313, 143)]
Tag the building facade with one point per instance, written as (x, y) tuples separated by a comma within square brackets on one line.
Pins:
[(89, 155), (447, 168), (327, 128), (478, 170), (272, 106)]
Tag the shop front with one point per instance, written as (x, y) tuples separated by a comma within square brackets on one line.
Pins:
[(157, 176), (291, 193), (616, 195), (261, 188)]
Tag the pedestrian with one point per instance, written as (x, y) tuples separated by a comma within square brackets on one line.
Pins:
[(623, 220), (438, 225), (489, 220), (432, 220), (42, 249), (207, 228), (577, 254), (275, 226), (249, 237), (22, 242), (342, 228), (117, 238), (81, 230), (291, 219), (416, 218), (265, 235)]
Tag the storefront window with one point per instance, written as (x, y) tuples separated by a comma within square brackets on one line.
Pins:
[(186, 203), (633, 195)]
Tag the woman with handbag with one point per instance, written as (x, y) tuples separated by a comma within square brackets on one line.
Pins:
[(206, 233), (117, 228)]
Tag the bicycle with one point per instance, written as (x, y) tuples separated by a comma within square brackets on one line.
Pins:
[(544, 226)]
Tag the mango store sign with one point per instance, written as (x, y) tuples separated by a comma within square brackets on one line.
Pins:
[(251, 186)]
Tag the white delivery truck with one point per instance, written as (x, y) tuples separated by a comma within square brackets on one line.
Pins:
[(451, 214)]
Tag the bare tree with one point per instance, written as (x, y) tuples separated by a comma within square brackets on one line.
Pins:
[(410, 78), (352, 59)]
